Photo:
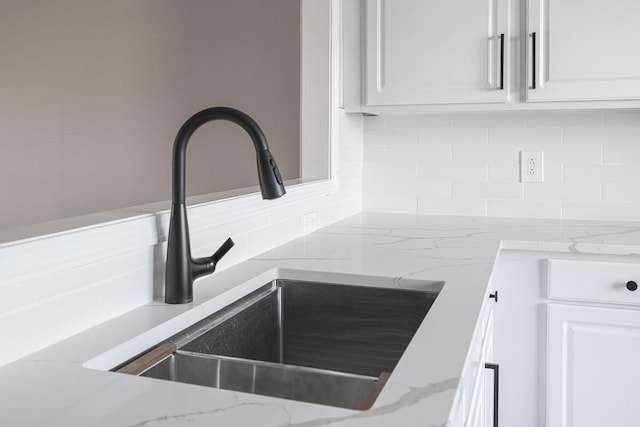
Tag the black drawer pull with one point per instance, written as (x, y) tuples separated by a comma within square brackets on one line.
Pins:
[(631, 285), (496, 390)]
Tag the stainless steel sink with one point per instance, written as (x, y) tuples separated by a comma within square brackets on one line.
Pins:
[(315, 342), (270, 379)]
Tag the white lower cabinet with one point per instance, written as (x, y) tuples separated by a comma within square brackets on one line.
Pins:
[(567, 338), (593, 366), (593, 343), (474, 403), (482, 412)]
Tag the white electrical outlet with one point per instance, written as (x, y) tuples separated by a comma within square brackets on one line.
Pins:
[(310, 223), (531, 166)]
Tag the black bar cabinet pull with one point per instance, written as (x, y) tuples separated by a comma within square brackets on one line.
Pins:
[(502, 61), (533, 60), (496, 380)]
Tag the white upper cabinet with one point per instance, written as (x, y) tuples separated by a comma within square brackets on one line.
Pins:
[(436, 51), (450, 55), (584, 50)]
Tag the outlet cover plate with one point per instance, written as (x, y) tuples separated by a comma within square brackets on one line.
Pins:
[(531, 166), (310, 223)]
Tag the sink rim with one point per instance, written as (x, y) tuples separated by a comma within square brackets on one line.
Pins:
[(194, 312)]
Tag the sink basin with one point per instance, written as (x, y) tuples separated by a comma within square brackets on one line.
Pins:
[(269, 379), (315, 342)]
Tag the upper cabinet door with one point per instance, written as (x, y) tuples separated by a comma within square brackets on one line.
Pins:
[(581, 50), (436, 51)]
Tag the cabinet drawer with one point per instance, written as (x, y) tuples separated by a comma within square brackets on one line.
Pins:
[(593, 281)]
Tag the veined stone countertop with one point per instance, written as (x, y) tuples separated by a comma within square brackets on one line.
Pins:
[(63, 385)]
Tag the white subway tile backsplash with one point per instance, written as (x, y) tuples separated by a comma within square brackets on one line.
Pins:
[(125, 292), (419, 187), (505, 171), (465, 153), (391, 136), (350, 172), (435, 153), (373, 178), (565, 118), (460, 172), (451, 136), (590, 154), (581, 136), (553, 168), (373, 153), (339, 210), (401, 154), (489, 120), (18, 295), (621, 192), (350, 154), (420, 121), (401, 170), (263, 239), (622, 118), (468, 171), (614, 135), (601, 173), (434, 171), (390, 203), (13, 335), (563, 191), (623, 135), (374, 122), (452, 206), (537, 138), (502, 154), (622, 211), (472, 167), (488, 190), (622, 153)]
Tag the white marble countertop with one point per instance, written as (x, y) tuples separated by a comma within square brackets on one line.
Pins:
[(55, 388)]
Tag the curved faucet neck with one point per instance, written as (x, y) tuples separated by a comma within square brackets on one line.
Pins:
[(188, 129)]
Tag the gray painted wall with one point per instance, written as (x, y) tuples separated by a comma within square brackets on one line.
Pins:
[(92, 94)]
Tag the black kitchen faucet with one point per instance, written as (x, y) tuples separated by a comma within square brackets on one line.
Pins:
[(181, 269)]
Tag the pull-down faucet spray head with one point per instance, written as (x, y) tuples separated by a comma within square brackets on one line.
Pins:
[(181, 269), (271, 183)]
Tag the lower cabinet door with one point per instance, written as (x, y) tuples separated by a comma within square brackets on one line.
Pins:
[(593, 369), (477, 416), (483, 409), (484, 405)]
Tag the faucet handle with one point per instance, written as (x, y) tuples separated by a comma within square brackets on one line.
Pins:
[(222, 250), (203, 266)]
